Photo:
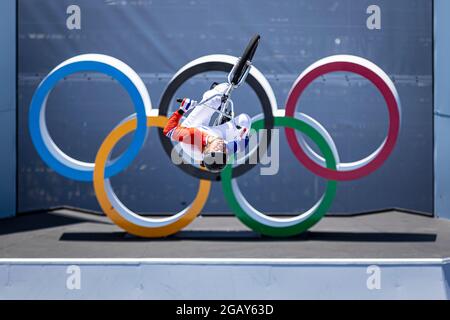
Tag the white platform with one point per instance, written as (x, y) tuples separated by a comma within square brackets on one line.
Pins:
[(225, 278)]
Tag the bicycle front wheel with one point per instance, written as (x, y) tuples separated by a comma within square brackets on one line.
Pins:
[(243, 63)]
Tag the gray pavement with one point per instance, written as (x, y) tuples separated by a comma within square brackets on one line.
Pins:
[(71, 234)]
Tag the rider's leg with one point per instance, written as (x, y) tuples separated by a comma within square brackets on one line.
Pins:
[(235, 129), (202, 114)]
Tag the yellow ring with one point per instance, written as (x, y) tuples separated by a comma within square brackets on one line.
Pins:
[(102, 196)]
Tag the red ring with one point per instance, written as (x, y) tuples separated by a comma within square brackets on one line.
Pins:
[(394, 121)]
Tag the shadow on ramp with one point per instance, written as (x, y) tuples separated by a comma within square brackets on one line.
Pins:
[(191, 235), (40, 221)]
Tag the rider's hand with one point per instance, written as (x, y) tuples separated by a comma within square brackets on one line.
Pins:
[(187, 104), (218, 90)]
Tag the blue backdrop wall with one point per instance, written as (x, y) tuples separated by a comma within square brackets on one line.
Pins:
[(156, 38), (442, 108), (8, 108)]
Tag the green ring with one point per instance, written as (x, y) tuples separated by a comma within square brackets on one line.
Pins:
[(314, 217)]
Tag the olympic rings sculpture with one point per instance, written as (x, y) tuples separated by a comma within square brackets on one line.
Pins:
[(327, 166)]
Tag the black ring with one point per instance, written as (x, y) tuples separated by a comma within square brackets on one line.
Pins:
[(191, 72)]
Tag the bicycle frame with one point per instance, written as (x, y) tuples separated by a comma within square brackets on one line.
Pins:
[(227, 94)]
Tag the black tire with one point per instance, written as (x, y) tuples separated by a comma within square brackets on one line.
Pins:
[(248, 54)]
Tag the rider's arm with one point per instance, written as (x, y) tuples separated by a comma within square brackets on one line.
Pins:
[(183, 134)]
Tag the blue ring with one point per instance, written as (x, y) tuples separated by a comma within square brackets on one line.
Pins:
[(50, 82)]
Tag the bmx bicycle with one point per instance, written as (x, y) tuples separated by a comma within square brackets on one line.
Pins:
[(235, 78)]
